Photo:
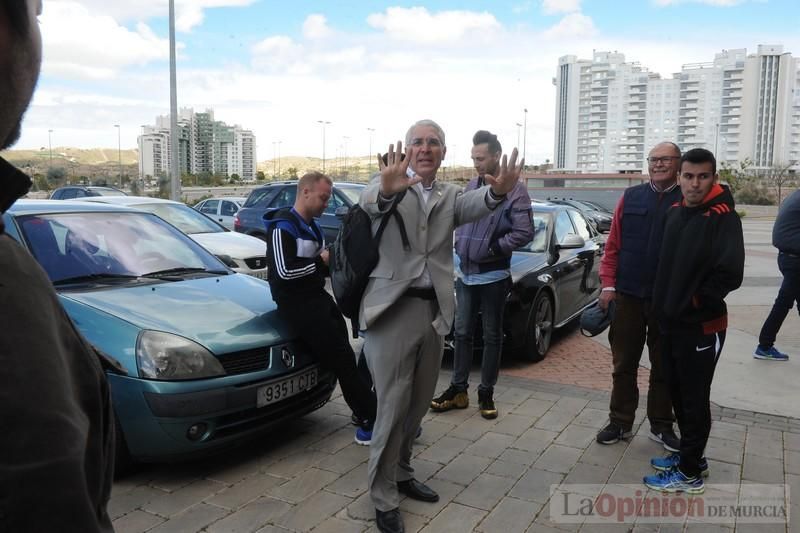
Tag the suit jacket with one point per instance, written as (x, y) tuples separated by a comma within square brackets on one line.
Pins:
[(430, 234)]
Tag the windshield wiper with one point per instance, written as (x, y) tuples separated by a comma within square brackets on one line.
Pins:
[(179, 271), (94, 277)]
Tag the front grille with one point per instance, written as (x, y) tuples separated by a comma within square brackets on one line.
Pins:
[(245, 361), (256, 263)]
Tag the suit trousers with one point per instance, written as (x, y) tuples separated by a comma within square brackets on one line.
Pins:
[(404, 353), (788, 296), (689, 363), (633, 325)]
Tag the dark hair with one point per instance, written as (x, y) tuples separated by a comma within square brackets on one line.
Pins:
[(485, 137), (700, 155), (16, 11)]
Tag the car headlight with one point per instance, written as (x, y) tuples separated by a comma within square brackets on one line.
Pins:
[(165, 356)]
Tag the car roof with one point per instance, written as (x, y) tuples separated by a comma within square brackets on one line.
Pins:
[(27, 207), (128, 200), (294, 182), (232, 198)]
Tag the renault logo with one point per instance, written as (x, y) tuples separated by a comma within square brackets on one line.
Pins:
[(287, 357)]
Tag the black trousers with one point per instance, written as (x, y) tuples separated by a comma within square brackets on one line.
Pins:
[(689, 359), (317, 321)]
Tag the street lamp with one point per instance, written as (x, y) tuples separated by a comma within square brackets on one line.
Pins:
[(369, 154), (279, 158), (274, 158), (525, 135), (119, 152), (324, 123), (519, 126), (345, 139), (50, 145)]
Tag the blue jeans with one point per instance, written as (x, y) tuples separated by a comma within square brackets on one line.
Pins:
[(488, 299), (788, 294)]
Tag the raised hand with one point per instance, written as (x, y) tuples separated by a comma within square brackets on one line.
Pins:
[(393, 173), (508, 176)]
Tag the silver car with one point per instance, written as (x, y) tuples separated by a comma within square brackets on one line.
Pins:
[(240, 252), (221, 209)]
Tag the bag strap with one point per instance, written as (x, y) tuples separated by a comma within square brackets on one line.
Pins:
[(388, 215)]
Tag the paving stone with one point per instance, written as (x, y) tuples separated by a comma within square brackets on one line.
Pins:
[(762, 469), (512, 396), (535, 485), (445, 450), (361, 508), (455, 518), (540, 394), (558, 458), (176, 476), (352, 484), (195, 518), (296, 463), (535, 440), (576, 436), (728, 431), (433, 430), (463, 469), (520, 457), (490, 445), (345, 459), (513, 424), (303, 485), (244, 492), (764, 442), (424, 469), (588, 473), (533, 407), (791, 441), (136, 522), (792, 462), (554, 420), (313, 511), (604, 454), (251, 517), (506, 469), (182, 499), (485, 491), (725, 473), (337, 440), (446, 490), (728, 451), (133, 499), (510, 515), (338, 525), (570, 405)]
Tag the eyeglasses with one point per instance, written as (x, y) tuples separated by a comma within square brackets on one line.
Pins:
[(665, 159)]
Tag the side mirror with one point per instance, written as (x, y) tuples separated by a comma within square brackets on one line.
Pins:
[(571, 241), (341, 211)]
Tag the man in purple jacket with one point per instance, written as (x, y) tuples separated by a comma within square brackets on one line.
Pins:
[(483, 270)]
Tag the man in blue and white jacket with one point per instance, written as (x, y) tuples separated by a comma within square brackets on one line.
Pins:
[(297, 266), (483, 271)]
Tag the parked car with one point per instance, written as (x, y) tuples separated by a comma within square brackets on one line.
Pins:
[(80, 191), (282, 194), (554, 278), (600, 217), (198, 358), (242, 253), (221, 209)]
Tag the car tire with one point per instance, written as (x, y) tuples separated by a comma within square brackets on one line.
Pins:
[(539, 329)]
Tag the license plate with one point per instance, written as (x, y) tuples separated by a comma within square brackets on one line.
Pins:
[(286, 388)]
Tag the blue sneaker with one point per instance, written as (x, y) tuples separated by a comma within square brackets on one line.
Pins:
[(363, 437), (674, 481), (770, 354), (668, 462)]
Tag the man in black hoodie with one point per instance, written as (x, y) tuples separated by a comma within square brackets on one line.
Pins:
[(702, 260)]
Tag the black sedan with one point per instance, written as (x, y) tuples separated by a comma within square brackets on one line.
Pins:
[(600, 217), (555, 277)]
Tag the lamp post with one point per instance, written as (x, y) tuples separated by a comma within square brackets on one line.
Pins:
[(50, 145), (525, 135), (279, 158), (274, 158), (716, 141), (345, 139), (119, 152), (324, 123), (369, 154), (519, 126)]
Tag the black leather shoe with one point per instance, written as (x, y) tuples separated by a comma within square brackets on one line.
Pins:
[(389, 521), (417, 491)]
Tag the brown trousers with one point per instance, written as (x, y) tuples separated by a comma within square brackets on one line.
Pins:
[(633, 325)]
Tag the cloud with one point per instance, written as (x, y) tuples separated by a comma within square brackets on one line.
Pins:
[(417, 24), (316, 27), (188, 13), (523, 7), (574, 25), (553, 7), (80, 44)]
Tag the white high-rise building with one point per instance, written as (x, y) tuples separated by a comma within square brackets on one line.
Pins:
[(609, 113), (205, 145)]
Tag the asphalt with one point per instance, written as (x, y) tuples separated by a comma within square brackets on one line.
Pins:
[(510, 474)]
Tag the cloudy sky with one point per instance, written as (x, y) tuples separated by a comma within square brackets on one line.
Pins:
[(278, 67)]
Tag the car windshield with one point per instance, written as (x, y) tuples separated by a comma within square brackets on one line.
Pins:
[(107, 192), (541, 221), (184, 218), (257, 196), (108, 245), (352, 193)]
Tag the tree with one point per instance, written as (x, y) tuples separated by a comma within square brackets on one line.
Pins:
[(736, 176), (56, 175), (778, 176), (292, 171), (260, 176)]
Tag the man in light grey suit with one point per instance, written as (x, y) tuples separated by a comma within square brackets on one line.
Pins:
[(408, 305)]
